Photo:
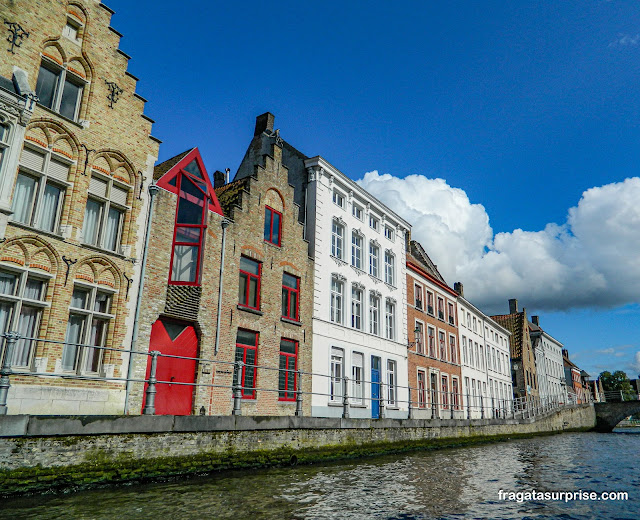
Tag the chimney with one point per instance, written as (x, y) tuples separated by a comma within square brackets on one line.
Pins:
[(536, 320), (513, 306), (264, 122), (459, 288), (219, 179)]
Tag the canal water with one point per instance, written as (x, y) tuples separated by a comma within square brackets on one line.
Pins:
[(451, 483)]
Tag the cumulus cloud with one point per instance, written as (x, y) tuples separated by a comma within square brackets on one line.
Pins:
[(591, 260), (635, 366), (625, 40)]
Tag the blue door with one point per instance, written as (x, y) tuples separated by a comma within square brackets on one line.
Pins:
[(375, 387)]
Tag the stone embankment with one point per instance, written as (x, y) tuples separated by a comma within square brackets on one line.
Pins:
[(41, 453)]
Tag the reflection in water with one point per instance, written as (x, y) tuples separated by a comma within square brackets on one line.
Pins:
[(453, 483)]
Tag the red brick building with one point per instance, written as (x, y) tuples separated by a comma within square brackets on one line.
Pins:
[(434, 355)]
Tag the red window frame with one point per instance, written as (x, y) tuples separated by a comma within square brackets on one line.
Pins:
[(456, 393), (288, 357), (202, 227), (430, 303), (268, 214), (420, 339), (249, 276), (452, 316), (452, 345), (288, 291), (418, 296), (248, 393), (445, 391), (442, 339), (432, 341), (422, 389), (441, 309)]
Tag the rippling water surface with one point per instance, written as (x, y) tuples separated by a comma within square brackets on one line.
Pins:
[(452, 483)]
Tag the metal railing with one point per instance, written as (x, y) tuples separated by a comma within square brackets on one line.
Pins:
[(381, 398)]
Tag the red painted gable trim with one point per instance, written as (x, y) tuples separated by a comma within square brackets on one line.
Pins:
[(422, 272), (163, 182)]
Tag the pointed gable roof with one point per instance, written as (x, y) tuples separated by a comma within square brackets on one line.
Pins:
[(190, 162), (418, 252)]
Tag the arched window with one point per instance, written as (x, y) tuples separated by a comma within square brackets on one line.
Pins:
[(190, 225)]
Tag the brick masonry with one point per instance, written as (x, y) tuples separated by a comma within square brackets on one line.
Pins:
[(112, 140)]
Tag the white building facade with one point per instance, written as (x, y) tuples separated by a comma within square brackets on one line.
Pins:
[(359, 313), (549, 364), (487, 384)]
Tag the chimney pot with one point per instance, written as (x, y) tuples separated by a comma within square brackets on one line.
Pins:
[(264, 122), (513, 306), (459, 288), (536, 320)]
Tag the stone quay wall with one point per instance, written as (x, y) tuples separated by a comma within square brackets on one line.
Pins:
[(42, 453)]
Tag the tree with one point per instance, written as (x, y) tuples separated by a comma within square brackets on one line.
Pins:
[(617, 382)]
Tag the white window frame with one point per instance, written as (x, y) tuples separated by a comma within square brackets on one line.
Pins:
[(337, 301), (357, 378), (422, 344), (390, 319), (357, 211), (18, 301), (338, 199), (81, 356), (43, 179), (106, 205), (374, 223), (357, 304), (337, 239), (336, 372), (357, 243), (392, 382), (389, 267), (374, 314), (374, 259), (389, 233), (62, 73)]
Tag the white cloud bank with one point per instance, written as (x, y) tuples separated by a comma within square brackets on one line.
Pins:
[(592, 260)]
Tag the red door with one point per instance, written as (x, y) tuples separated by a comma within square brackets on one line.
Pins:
[(176, 340)]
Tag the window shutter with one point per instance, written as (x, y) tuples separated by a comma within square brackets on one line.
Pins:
[(58, 170), (97, 186), (32, 159), (118, 195)]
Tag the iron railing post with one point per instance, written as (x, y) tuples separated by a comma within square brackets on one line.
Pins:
[(381, 397), (150, 401), (5, 371), (237, 388), (410, 409), (451, 404), (345, 398), (481, 407), (299, 395), (468, 406)]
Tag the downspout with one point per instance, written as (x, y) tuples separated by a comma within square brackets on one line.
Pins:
[(153, 189), (225, 224)]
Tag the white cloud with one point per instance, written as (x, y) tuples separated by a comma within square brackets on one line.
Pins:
[(589, 261), (635, 366), (625, 40)]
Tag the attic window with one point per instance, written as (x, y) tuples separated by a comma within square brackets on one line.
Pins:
[(194, 169), (72, 30)]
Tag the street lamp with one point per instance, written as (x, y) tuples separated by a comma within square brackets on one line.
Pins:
[(417, 336)]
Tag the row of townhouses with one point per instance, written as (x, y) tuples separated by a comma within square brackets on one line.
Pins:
[(290, 288)]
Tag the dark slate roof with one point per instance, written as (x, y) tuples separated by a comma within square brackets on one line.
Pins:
[(418, 252), (230, 195), (162, 168)]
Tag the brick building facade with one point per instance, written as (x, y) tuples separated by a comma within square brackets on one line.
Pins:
[(72, 205), (434, 355), (523, 363), (264, 316)]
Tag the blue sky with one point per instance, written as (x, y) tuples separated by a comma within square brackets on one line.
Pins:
[(520, 108)]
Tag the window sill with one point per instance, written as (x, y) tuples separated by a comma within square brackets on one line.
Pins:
[(104, 251), (277, 246), (36, 230), (290, 321), (286, 401), (391, 407), (338, 260), (358, 406), (58, 114), (250, 310), (334, 403)]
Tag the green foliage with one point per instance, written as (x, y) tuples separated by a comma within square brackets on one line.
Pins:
[(617, 382)]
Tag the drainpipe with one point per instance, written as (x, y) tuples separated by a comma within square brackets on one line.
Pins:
[(225, 224), (153, 189)]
